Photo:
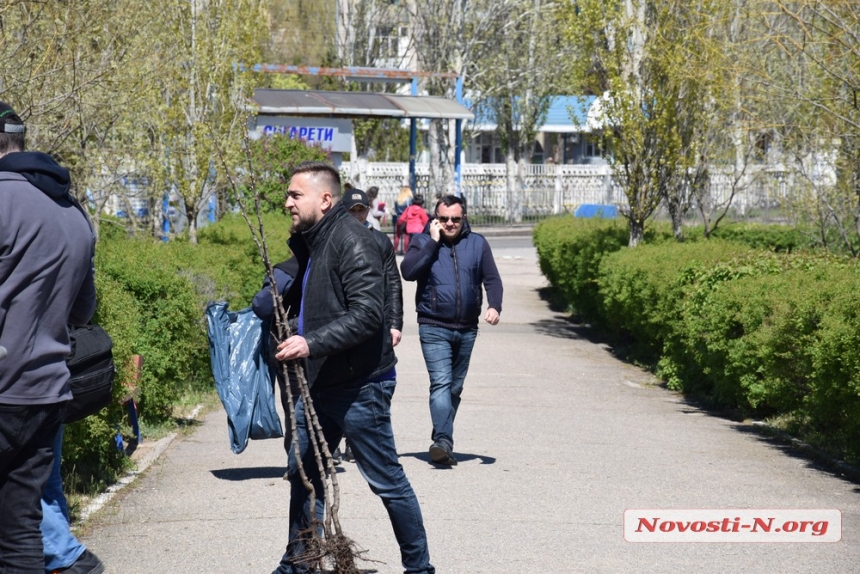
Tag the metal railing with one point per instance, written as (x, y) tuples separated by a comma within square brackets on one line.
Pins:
[(547, 190)]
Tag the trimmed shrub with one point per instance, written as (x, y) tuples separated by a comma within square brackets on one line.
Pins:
[(642, 290), (688, 362), (831, 409), (170, 336), (780, 238), (569, 252), (89, 452)]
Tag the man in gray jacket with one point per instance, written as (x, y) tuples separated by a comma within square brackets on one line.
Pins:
[(46, 283)]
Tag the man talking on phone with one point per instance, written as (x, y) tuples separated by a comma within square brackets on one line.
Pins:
[(450, 264)]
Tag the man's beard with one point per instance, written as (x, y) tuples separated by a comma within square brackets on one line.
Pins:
[(301, 225)]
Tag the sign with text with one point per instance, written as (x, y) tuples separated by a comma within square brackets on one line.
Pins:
[(334, 135)]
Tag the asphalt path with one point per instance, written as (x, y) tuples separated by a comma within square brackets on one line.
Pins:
[(556, 439)]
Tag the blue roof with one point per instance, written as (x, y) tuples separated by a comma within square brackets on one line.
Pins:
[(561, 108), (559, 118)]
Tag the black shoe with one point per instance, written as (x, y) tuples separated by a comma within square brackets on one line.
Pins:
[(347, 454), (336, 457), (440, 453), (87, 563)]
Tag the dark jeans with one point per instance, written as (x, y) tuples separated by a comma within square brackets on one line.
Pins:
[(447, 353), (363, 415), (27, 434)]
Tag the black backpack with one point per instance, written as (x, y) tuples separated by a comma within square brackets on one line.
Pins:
[(92, 372)]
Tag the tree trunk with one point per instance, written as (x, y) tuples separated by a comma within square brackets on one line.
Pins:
[(677, 215), (511, 184), (191, 214), (637, 232)]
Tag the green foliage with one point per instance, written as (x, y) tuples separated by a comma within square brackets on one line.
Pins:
[(232, 259), (170, 284), (169, 336), (274, 159), (781, 238), (641, 291), (89, 453), (382, 139), (569, 253), (151, 299)]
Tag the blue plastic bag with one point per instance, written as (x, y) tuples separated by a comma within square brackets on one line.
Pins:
[(237, 347)]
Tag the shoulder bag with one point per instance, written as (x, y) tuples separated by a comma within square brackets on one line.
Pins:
[(92, 372)]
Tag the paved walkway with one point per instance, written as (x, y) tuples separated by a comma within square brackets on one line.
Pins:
[(556, 439)]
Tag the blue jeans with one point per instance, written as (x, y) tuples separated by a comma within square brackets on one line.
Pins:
[(447, 353), (27, 434), (61, 548), (363, 415)]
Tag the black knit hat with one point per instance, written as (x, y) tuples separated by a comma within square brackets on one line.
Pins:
[(10, 122)]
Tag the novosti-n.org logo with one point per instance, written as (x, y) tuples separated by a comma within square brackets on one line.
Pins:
[(733, 525)]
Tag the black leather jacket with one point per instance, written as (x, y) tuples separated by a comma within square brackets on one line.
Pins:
[(393, 285), (342, 312)]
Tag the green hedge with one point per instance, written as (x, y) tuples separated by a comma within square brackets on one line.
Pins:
[(641, 289), (569, 253), (779, 238), (766, 332), (151, 299)]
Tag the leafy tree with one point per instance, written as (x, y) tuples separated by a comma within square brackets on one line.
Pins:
[(517, 87), (197, 110), (820, 45), (370, 35), (675, 99), (273, 159), (616, 61), (300, 32), (66, 68), (454, 37)]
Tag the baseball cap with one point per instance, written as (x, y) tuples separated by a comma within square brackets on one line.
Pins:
[(353, 197), (10, 122)]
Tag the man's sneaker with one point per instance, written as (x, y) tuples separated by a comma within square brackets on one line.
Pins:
[(336, 457), (87, 563), (440, 453)]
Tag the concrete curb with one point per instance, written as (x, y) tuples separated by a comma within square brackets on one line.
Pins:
[(143, 459)]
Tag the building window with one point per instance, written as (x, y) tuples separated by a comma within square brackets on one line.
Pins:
[(591, 147), (537, 156), (486, 154)]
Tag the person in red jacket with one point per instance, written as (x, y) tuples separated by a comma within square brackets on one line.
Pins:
[(414, 219)]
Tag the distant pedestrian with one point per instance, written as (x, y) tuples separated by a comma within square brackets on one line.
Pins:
[(357, 204), (414, 219), (404, 200), (450, 264), (377, 214), (345, 344)]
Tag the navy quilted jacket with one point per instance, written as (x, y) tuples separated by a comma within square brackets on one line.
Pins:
[(450, 277)]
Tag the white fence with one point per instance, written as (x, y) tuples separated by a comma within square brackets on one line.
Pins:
[(555, 189), (546, 190)]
